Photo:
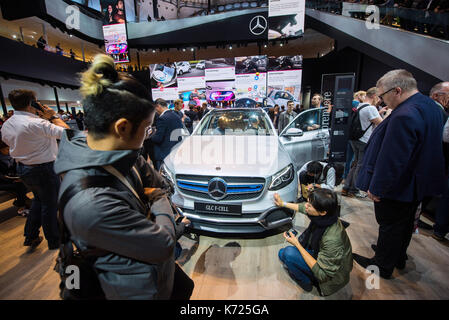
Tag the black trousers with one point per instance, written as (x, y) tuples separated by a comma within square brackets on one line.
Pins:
[(182, 285), (396, 221)]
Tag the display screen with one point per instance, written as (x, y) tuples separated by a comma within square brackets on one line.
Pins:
[(114, 30), (241, 82)]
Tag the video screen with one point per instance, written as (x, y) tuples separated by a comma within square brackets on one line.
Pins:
[(114, 30)]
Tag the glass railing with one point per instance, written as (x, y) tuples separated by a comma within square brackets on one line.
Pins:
[(427, 19)]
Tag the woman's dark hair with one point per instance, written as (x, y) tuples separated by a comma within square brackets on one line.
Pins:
[(324, 200), (109, 96), (315, 168)]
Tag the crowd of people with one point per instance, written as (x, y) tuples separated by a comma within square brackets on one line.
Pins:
[(113, 201), (423, 16)]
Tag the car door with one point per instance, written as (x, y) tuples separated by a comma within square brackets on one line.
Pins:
[(311, 144)]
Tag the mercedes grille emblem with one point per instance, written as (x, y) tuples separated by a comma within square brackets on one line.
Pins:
[(217, 188), (258, 25)]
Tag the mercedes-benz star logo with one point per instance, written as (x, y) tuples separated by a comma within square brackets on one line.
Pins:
[(258, 25), (217, 188)]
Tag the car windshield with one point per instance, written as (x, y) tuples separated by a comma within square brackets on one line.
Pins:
[(235, 123)]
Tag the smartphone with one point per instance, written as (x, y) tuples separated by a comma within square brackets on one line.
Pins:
[(295, 233), (37, 106)]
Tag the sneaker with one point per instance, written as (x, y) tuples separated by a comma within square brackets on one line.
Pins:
[(33, 243), (361, 194), (23, 212)]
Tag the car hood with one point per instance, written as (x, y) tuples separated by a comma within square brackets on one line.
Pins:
[(255, 156)]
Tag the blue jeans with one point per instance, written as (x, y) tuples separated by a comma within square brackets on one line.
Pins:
[(296, 265), (44, 184), (441, 227)]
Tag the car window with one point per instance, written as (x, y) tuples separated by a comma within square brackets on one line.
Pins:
[(236, 123), (307, 121)]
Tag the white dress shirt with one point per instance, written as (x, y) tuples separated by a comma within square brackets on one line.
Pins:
[(31, 140)]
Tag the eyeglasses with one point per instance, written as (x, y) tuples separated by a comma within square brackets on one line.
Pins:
[(381, 95)]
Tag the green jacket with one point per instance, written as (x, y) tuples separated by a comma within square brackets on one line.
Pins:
[(334, 261)]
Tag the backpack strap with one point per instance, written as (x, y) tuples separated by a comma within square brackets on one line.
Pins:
[(358, 110)]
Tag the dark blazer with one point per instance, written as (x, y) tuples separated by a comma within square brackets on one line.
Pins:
[(403, 159), (165, 125)]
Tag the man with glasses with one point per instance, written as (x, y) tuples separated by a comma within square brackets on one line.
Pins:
[(440, 94), (403, 163)]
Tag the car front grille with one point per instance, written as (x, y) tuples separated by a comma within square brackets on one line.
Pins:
[(239, 188)]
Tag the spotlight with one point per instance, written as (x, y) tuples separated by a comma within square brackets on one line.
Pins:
[(183, 49), (230, 47), (154, 51), (264, 45), (192, 49)]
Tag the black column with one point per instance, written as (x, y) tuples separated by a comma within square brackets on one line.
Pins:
[(67, 107), (2, 98), (138, 60), (56, 98)]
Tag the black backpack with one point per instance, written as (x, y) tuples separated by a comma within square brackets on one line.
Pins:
[(339, 171), (71, 255), (355, 126)]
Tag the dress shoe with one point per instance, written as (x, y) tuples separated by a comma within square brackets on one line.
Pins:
[(366, 262), (33, 243), (437, 237), (424, 225), (346, 193)]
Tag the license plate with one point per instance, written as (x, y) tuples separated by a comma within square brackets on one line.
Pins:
[(232, 209)]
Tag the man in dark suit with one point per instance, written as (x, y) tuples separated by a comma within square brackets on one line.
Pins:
[(403, 163), (164, 138)]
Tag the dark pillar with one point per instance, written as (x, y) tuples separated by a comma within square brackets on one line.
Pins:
[(138, 60), (56, 98), (2, 98), (67, 107)]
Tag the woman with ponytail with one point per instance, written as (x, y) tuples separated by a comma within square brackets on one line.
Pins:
[(322, 255), (119, 206)]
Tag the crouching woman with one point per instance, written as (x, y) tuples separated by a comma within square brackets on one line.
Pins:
[(322, 255)]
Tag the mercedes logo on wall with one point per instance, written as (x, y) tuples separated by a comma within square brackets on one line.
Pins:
[(258, 25), (217, 188)]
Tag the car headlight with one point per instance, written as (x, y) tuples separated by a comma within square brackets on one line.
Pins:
[(282, 178), (166, 174)]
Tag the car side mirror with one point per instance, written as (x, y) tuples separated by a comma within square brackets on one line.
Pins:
[(293, 132)]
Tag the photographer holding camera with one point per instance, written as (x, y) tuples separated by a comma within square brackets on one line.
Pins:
[(31, 135), (322, 255), (112, 200)]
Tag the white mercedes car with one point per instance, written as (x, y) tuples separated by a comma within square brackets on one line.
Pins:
[(226, 173)]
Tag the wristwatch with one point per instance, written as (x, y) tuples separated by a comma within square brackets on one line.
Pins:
[(52, 118)]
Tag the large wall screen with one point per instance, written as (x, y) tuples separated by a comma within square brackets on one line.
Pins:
[(114, 30), (253, 81)]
